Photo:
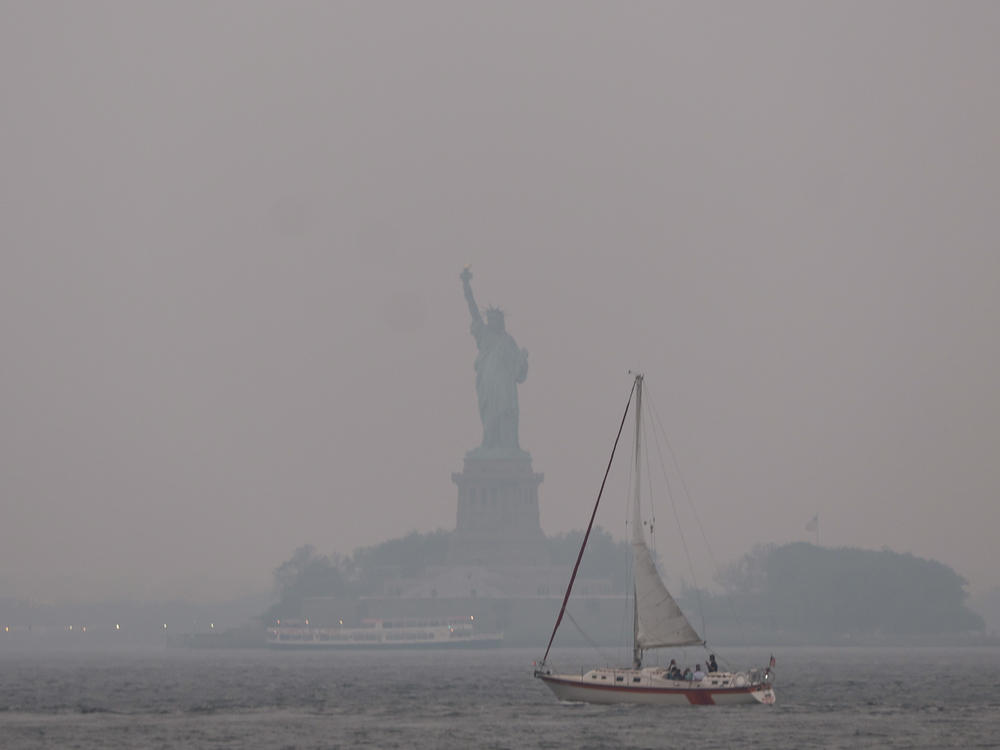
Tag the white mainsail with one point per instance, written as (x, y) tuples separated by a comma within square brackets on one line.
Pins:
[(659, 621)]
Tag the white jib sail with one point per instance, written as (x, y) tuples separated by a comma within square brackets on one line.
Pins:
[(660, 620)]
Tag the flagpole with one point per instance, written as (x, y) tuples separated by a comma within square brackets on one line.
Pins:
[(813, 525)]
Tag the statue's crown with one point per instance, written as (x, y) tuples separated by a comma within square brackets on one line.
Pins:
[(492, 311)]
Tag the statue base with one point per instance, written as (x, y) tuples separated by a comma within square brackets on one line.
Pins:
[(498, 518), (504, 454)]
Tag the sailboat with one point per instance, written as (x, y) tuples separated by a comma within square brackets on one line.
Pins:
[(658, 622)]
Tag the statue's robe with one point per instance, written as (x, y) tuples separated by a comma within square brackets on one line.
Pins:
[(500, 366)]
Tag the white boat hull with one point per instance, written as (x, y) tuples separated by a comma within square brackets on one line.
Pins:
[(650, 687), (383, 634), (486, 640)]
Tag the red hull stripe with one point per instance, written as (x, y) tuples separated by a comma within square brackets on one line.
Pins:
[(699, 697)]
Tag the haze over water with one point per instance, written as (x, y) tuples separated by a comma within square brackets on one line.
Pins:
[(230, 312)]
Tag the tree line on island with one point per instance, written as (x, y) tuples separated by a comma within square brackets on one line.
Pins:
[(798, 589), (801, 588)]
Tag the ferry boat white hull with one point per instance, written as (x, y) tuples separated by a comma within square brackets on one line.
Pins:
[(378, 634), (651, 687), (483, 640)]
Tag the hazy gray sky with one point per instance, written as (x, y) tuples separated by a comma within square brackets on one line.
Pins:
[(231, 232)]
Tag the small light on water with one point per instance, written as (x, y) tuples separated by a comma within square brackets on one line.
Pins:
[(472, 617), (117, 626), (211, 625), (164, 626)]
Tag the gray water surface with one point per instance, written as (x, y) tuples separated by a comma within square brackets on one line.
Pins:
[(177, 698)]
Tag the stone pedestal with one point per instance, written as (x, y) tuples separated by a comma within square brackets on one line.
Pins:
[(498, 521)]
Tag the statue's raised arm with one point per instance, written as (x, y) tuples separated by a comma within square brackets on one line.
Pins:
[(466, 277)]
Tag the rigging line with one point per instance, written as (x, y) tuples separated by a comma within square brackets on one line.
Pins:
[(708, 545), (587, 638), (673, 505), (624, 627), (626, 614), (590, 525), (649, 494), (649, 486), (627, 504)]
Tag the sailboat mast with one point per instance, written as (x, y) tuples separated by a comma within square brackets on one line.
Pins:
[(637, 535)]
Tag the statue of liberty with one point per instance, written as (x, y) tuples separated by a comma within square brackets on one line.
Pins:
[(500, 366)]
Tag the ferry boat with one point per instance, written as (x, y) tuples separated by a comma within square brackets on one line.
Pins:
[(449, 632)]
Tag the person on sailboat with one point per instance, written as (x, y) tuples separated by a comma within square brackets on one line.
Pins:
[(712, 666), (698, 675)]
